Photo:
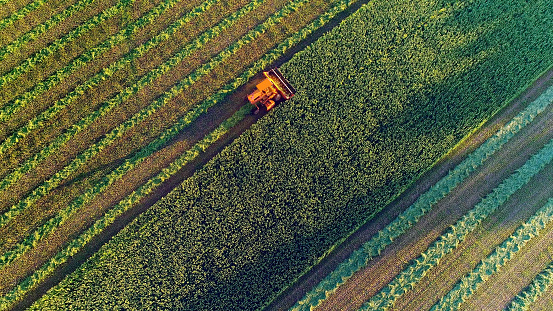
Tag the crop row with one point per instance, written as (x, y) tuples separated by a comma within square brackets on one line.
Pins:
[(33, 239), (109, 105), (21, 13), (39, 56), (537, 288), (372, 248), (409, 277), (500, 256), (21, 101), (135, 119), (77, 244)]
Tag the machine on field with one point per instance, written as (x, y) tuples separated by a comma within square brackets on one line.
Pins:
[(273, 89)]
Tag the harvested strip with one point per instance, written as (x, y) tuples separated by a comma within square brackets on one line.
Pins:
[(408, 278), (31, 62), (77, 244), (51, 112), (501, 255), (372, 248), (21, 13), (40, 29), (33, 239), (540, 284), (53, 80)]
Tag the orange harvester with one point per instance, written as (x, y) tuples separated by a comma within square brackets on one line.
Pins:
[(273, 89)]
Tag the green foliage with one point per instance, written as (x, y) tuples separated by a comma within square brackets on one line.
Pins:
[(456, 234), (500, 256), (372, 248), (36, 32), (21, 13), (380, 98), (21, 101), (537, 288)]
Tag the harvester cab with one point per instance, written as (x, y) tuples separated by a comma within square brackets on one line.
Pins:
[(273, 89)]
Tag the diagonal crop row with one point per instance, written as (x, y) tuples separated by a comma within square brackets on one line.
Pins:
[(500, 256), (372, 248), (15, 105), (48, 227), (21, 13), (137, 117), (77, 244), (31, 62), (409, 277), (109, 105), (42, 28), (537, 288)]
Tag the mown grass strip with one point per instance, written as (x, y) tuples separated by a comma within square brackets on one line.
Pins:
[(446, 243), (21, 101), (107, 106), (21, 13), (372, 248), (537, 288), (48, 227), (77, 244), (32, 61), (500, 256)]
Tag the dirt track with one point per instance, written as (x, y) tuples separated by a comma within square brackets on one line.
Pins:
[(431, 226)]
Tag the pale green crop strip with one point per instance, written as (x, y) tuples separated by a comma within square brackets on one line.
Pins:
[(142, 114), (107, 106), (77, 244), (501, 255), (21, 13), (409, 277), (422, 205), (31, 62), (48, 227), (540, 284), (21, 101)]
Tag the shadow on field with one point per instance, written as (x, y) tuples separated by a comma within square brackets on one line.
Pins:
[(203, 125)]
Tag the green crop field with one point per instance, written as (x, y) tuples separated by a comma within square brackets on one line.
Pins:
[(103, 103)]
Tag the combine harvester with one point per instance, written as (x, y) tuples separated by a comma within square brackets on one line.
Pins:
[(272, 90)]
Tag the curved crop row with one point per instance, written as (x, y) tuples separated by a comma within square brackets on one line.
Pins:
[(500, 256), (372, 248), (31, 62), (21, 101), (21, 13), (77, 244), (56, 221), (51, 112), (446, 243), (540, 284)]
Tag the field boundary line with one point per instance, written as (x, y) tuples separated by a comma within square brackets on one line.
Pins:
[(104, 108), (408, 218), (77, 244), (39, 56), (5, 22), (456, 233), (467, 285), (56, 221), (54, 79)]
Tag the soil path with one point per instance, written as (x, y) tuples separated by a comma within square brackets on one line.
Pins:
[(412, 241)]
